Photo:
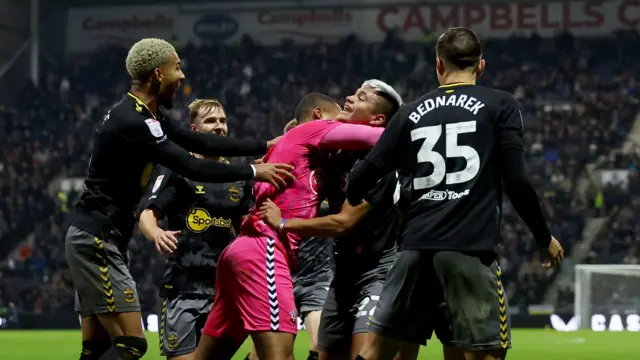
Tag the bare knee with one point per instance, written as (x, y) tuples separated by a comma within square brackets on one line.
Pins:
[(123, 324), (273, 345), (312, 323)]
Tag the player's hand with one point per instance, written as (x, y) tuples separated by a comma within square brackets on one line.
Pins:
[(270, 214), (555, 252), (166, 241), (272, 142), (258, 161), (274, 174)]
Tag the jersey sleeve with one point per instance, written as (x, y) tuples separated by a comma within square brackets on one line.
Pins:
[(149, 137), (212, 144), (510, 125), (389, 154), (164, 192), (517, 183), (350, 137)]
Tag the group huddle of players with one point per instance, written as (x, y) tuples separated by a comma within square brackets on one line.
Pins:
[(378, 222)]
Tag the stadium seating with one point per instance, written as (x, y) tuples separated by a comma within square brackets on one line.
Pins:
[(577, 100)]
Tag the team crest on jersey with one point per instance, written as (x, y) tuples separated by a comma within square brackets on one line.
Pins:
[(129, 295), (155, 127), (234, 194), (172, 341), (156, 185)]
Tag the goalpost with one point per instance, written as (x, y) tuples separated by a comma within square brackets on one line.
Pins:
[(606, 289)]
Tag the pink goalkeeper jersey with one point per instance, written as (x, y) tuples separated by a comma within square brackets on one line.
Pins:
[(306, 147)]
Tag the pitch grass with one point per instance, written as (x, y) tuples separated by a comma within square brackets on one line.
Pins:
[(528, 345)]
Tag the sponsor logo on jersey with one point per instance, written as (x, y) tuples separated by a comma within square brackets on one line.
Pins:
[(199, 189), (437, 195), (199, 220), (234, 194)]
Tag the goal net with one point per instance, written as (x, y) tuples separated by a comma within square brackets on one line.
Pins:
[(606, 290)]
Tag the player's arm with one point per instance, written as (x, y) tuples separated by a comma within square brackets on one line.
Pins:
[(155, 207), (516, 179), (350, 137), (213, 145), (162, 150), (385, 157), (326, 226)]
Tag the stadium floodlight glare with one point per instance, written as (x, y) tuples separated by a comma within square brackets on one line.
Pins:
[(606, 289)]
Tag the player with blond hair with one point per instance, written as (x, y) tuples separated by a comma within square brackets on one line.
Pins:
[(133, 136), (202, 220)]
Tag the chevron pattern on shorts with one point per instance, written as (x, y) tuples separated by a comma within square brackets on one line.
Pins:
[(274, 309)]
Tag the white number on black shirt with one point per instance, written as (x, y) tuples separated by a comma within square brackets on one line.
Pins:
[(431, 135)]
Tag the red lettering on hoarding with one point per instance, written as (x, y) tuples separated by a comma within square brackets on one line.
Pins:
[(159, 21), (626, 9), (503, 16), (303, 18)]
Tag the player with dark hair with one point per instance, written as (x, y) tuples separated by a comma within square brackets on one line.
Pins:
[(457, 144), (365, 242), (254, 287), (314, 272), (133, 136), (202, 218)]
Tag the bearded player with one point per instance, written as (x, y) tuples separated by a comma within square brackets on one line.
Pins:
[(254, 288), (201, 221), (132, 137)]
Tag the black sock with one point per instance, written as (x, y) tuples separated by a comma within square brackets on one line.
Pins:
[(126, 348), (313, 355), (93, 349)]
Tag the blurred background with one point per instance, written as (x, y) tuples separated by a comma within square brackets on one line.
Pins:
[(573, 65)]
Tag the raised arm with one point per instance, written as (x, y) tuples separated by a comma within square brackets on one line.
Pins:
[(211, 144), (351, 137), (164, 151)]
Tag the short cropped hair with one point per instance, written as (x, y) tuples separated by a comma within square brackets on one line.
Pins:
[(146, 55), (290, 125), (460, 48), (199, 106), (388, 93), (311, 101)]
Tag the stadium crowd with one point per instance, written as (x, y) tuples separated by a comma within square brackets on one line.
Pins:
[(578, 98)]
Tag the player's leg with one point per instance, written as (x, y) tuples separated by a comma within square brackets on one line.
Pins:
[(179, 326), (107, 291), (476, 303), (95, 339), (366, 306), (401, 313), (337, 322), (264, 295), (222, 333), (311, 300)]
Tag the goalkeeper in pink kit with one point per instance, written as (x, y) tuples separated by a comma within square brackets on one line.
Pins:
[(254, 287)]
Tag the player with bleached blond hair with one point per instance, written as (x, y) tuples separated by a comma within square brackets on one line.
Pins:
[(133, 136)]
